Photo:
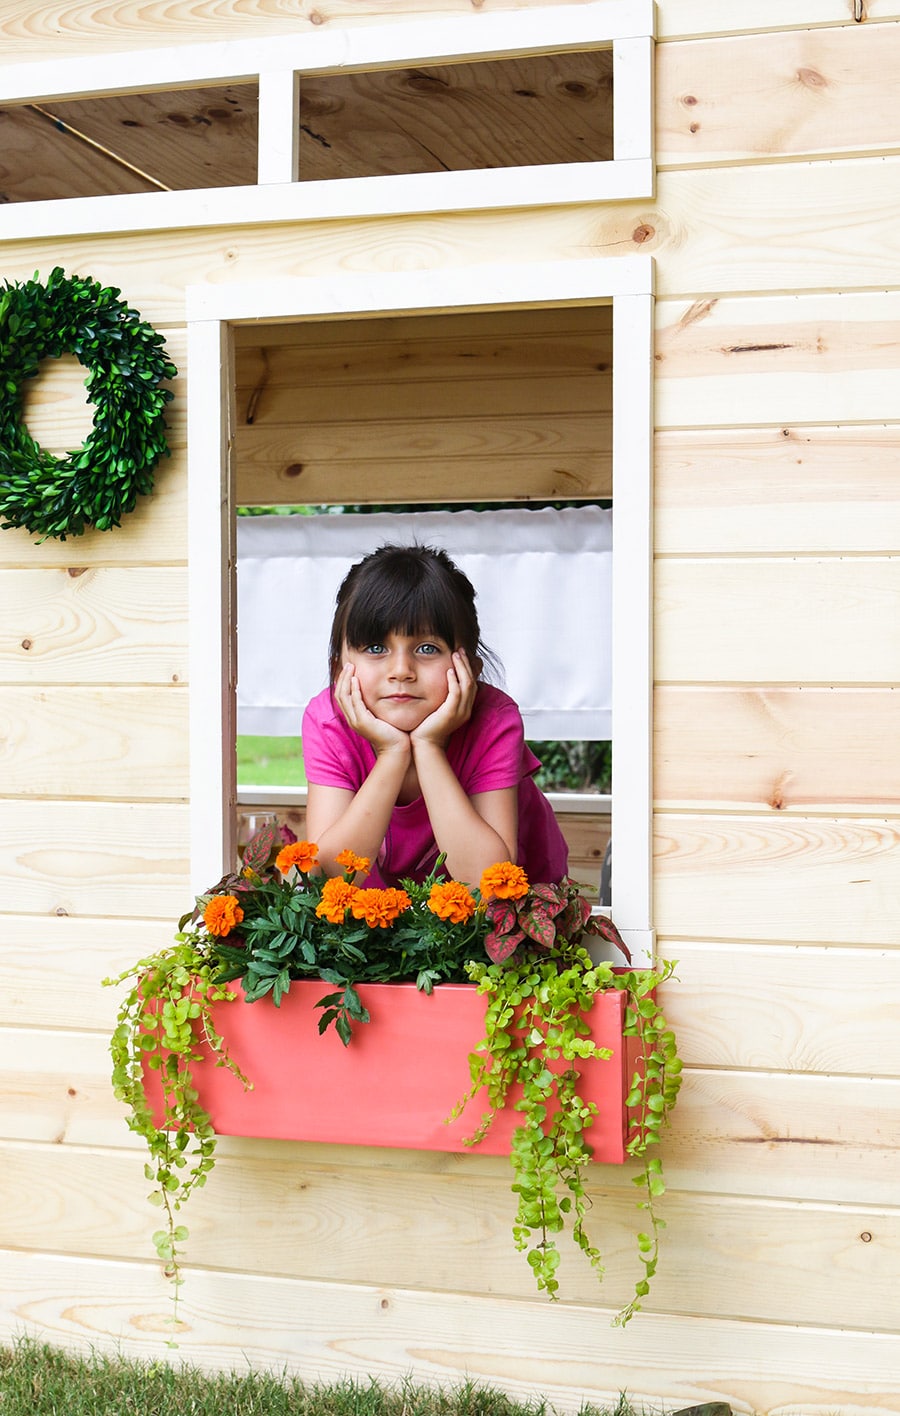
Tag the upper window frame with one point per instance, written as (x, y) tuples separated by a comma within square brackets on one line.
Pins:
[(212, 310), (279, 64)]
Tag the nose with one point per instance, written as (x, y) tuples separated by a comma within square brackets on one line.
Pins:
[(403, 665)]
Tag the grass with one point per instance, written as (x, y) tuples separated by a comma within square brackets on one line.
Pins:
[(269, 762), (39, 1380)]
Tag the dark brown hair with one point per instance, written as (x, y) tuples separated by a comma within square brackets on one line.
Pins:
[(406, 590)]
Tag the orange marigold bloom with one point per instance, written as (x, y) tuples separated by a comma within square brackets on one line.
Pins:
[(221, 914), (451, 901), (379, 908), (351, 862), (337, 894), (303, 854), (504, 882)]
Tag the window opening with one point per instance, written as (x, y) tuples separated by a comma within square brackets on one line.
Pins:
[(444, 430), (504, 399), (523, 112), (176, 140)]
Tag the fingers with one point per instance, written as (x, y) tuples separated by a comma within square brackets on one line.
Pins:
[(360, 717), (465, 680)]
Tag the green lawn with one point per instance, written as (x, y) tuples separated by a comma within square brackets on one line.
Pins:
[(270, 762), (39, 1380)]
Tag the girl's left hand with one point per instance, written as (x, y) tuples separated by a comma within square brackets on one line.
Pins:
[(456, 708)]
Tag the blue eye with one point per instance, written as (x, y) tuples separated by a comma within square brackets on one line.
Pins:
[(374, 649)]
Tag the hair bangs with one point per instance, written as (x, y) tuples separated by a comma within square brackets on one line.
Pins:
[(417, 608)]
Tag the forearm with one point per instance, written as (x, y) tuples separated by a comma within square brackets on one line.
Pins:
[(469, 842), (362, 826)]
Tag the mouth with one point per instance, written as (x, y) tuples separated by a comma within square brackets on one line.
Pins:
[(401, 698)]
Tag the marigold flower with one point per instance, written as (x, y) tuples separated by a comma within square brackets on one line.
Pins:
[(337, 894), (352, 863), (379, 908), (451, 900), (302, 854), (504, 882), (222, 914)]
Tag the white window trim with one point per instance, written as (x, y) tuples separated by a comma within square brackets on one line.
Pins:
[(278, 64), (628, 283)]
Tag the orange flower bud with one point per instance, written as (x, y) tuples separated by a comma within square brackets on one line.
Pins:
[(352, 863), (451, 900), (222, 914), (504, 882), (302, 854), (337, 894)]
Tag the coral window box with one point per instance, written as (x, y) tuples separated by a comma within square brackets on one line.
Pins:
[(398, 1080)]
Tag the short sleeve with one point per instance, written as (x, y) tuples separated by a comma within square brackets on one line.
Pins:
[(493, 754), (332, 754)]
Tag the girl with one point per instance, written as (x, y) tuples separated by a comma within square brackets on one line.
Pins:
[(408, 755)]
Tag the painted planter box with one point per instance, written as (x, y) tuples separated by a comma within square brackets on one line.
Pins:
[(398, 1080)]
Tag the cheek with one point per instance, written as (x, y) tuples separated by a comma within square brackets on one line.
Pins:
[(365, 679), (438, 682)]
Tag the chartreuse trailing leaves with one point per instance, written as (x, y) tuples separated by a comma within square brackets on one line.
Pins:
[(161, 1020), (96, 484), (536, 1015)]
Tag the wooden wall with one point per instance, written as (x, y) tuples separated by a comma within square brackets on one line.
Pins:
[(775, 232)]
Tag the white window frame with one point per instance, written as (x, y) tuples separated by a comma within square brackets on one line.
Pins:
[(279, 63), (627, 283)]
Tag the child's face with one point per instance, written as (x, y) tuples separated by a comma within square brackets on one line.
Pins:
[(403, 679)]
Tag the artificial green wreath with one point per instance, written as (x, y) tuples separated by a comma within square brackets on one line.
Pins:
[(99, 482)]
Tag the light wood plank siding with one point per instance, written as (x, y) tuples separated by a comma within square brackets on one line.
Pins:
[(775, 229)]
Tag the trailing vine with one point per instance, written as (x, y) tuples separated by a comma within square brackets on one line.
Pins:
[(161, 1023), (96, 484), (537, 1038)]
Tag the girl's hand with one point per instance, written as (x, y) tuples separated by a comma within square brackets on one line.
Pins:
[(456, 708), (384, 737)]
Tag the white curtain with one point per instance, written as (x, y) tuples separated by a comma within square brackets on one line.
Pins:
[(543, 585)]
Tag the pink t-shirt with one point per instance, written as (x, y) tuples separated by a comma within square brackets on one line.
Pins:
[(487, 753)]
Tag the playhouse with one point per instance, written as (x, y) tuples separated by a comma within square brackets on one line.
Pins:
[(481, 251)]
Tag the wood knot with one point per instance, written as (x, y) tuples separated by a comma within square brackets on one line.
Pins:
[(689, 100), (642, 233), (76, 570), (811, 78), (27, 643), (426, 83), (294, 470)]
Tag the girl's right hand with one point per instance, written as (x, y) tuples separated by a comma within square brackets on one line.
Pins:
[(384, 737)]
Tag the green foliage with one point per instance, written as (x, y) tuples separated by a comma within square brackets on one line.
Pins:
[(99, 482), (573, 766)]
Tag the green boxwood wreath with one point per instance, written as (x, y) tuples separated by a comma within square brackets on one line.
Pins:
[(99, 482)]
